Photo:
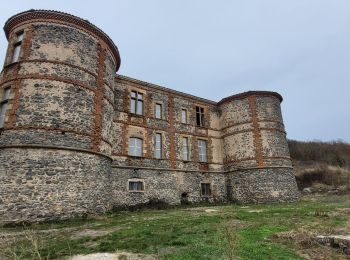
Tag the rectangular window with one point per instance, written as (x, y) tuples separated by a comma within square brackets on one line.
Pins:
[(185, 154), (16, 52), (135, 146), (158, 111), (202, 150), (19, 36), (4, 105), (17, 47), (136, 105), (136, 186), (158, 146), (184, 116), (200, 116), (205, 189)]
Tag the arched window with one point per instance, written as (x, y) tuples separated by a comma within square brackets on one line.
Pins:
[(135, 146)]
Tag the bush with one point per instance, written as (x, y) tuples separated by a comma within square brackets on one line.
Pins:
[(336, 153)]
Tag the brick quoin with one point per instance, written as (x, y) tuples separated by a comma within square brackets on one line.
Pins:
[(97, 132), (256, 132)]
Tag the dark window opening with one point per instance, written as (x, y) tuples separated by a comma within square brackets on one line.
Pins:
[(136, 186), (200, 116), (205, 189), (17, 46), (4, 105), (136, 106)]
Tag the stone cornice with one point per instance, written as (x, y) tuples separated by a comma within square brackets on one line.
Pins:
[(250, 93), (192, 97)]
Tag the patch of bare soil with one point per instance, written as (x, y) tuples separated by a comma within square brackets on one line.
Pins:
[(92, 233), (114, 256)]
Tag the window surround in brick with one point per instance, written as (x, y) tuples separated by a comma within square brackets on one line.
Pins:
[(158, 105), (135, 146), (184, 116), (17, 46), (188, 146), (136, 103), (160, 148), (202, 152)]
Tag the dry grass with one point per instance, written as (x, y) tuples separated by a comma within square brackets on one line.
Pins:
[(307, 247), (322, 174), (33, 244), (303, 237)]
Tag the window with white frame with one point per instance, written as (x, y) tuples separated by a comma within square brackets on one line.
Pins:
[(136, 185), (185, 149), (205, 189), (17, 46), (135, 146), (184, 116), (158, 111), (136, 105), (4, 105), (158, 146), (202, 150)]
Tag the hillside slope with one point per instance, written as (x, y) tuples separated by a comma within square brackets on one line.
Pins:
[(321, 165)]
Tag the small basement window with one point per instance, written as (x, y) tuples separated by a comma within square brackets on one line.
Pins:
[(205, 189), (136, 185)]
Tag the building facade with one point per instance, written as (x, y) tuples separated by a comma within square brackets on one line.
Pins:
[(76, 138)]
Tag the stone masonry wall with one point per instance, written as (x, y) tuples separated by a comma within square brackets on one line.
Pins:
[(44, 184), (57, 139), (263, 185), (168, 187)]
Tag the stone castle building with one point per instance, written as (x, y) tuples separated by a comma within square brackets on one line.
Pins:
[(76, 138)]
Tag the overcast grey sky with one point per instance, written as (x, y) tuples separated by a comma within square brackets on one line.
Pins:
[(213, 49)]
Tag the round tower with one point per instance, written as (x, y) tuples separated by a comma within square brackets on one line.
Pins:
[(256, 149), (57, 97)]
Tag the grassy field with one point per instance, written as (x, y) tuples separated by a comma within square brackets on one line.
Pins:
[(278, 231)]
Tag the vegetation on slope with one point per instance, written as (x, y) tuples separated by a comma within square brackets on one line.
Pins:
[(336, 153), (321, 163)]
